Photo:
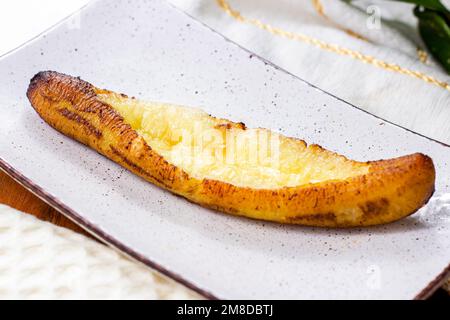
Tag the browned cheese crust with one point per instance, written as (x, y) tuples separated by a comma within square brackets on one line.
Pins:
[(392, 189)]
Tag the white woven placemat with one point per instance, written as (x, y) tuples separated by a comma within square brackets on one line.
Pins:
[(39, 260)]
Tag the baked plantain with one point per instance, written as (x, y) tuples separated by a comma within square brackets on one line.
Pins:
[(223, 165)]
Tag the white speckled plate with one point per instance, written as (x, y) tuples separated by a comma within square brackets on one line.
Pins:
[(151, 50)]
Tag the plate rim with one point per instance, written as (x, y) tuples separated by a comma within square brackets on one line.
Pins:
[(110, 240)]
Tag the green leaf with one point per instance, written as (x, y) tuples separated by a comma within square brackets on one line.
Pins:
[(435, 32), (429, 4)]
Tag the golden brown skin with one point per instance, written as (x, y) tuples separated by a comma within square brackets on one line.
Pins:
[(392, 189)]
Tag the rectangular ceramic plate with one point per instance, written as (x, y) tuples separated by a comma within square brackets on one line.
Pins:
[(151, 50)]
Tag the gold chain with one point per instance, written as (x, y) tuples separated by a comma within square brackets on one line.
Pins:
[(321, 11), (331, 47), (423, 55), (317, 4), (319, 7)]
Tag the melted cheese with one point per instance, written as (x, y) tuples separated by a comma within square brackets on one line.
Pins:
[(207, 147)]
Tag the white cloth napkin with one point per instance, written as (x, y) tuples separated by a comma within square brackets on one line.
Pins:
[(402, 99), (39, 260)]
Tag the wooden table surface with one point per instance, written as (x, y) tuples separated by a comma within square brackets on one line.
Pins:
[(16, 196)]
